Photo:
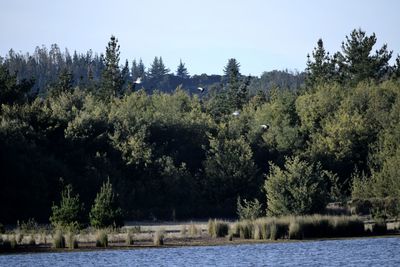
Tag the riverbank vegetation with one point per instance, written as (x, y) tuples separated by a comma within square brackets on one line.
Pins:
[(117, 150)]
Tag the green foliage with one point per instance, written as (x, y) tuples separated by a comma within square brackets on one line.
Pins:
[(71, 241), (250, 210), (69, 212), (111, 76), (12, 91), (299, 188), (105, 210)]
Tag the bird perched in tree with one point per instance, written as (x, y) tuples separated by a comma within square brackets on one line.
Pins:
[(264, 126), (138, 80), (236, 113), (201, 89)]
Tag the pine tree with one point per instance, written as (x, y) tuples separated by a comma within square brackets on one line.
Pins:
[(181, 71), (321, 69), (126, 79), (356, 63), (105, 210), (111, 78), (232, 79)]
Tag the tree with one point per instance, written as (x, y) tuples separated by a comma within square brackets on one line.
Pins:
[(126, 78), (11, 90), (157, 69), (182, 72), (105, 210), (356, 63), (111, 77), (321, 68), (64, 83), (297, 189), (69, 212), (231, 172)]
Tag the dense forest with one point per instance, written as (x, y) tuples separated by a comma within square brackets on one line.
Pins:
[(294, 141)]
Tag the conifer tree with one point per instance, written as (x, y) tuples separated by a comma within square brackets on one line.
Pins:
[(321, 68), (111, 77), (182, 72)]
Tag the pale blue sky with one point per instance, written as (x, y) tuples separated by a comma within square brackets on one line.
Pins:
[(261, 35)]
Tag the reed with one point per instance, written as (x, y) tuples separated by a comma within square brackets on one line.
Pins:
[(158, 239), (58, 240), (101, 239)]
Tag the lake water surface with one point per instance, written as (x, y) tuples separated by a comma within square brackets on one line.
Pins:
[(354, 252)]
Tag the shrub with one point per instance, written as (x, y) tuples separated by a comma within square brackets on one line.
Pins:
[(299, 188), (68, 214), (158, 239), (102, 239), (257, 231), (58, 240), (211, 227), (250, 210), (105, 211)]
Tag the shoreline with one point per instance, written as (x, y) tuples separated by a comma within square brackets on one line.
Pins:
[(172, 243)]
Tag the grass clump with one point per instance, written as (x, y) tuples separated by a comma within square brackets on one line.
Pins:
[(32, 241), (102, 239), (71, 241), (129, 238), (183, 232), (379, 227), (193, 230), (245, 229), (218, 228), (58, 240), (158, 239)]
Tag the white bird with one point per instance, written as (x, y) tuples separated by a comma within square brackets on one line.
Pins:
[(201, 89), (138, 80), (236, 113), (264, 126)]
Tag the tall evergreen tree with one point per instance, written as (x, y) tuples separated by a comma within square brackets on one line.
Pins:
[(355, 62), (157, 69), (111, 78), (126, 78), (182, 71), (321, 68)]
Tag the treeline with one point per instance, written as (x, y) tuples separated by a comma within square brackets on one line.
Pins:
[(44, 67), (185, 155)]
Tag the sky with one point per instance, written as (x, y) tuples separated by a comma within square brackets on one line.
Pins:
[(262, 35)]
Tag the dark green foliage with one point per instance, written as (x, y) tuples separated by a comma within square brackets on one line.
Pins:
[(112, 81), (218, 228), (300, 188), (69, 213), (58, 239), (182, 154), (105, 211), (182, 71)]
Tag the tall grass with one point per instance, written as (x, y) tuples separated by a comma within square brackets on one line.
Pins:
[(129, 238), (58, 240), (218, 228), (70, 240), (299, 227), (158, 239), (102, 239)]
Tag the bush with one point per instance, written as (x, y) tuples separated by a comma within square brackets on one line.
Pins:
[(250, 210), (105, 211), (295, 230), (217, 228), (58, 240), (158, 239), (193, 230), (246, 229), (68, 215), (102, 239)]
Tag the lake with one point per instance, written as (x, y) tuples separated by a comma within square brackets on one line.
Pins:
[(351, 252)]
